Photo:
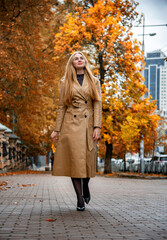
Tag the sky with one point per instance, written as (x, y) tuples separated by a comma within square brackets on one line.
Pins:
[(155, 12)]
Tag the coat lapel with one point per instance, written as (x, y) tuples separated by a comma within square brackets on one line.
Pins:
[(82, 90)]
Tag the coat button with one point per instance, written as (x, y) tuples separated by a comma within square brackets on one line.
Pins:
[(85, 101), (74, 115), (85, 116)]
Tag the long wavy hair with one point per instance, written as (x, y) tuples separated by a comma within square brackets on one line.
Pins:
[(71, 76)]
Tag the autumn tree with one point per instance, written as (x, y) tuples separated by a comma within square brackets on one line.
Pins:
[(28, 85), (157, 138), (102, 29)]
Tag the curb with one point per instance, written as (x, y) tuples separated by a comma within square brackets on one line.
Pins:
[(132, 176), (110, 175)]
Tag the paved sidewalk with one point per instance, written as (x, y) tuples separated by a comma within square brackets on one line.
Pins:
[(133, 209)]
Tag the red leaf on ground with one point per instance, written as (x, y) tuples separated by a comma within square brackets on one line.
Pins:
[(51, 220)]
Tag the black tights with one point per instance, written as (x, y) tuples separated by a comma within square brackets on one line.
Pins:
[(86, 192), (81, 189)]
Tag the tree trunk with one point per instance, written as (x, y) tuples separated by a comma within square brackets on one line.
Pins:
[(153, 148), (36, 160), (107, 162), (109, 147), (124, 163), (101, 69)]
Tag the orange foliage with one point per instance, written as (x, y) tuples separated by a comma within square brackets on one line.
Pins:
[(28, 86), (102, 149), (156, 138), (103, 32)]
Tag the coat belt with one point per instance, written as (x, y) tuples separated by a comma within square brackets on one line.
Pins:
[(84, 105)]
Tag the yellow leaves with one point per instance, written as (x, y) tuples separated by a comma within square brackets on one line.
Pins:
[(102, 29), (126, 124), (97, 23), (130, 131), (53, 148), (107, 138)]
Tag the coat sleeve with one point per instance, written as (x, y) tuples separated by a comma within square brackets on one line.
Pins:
[(61, 108), (98, 106)]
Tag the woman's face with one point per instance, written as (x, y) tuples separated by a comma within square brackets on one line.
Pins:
[(78, 61)]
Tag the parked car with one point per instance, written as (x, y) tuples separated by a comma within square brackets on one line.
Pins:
[(130, 160), (116, 164), (147, 160), (159, 163), (147, 165), (136, 166), (116, 161), (119, 161), (121, 166)]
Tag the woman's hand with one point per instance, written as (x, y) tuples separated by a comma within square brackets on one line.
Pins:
[(54, 136), (96, 133)]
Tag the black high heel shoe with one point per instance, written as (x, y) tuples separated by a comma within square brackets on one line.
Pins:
[(87, 199), (86, 192), (81, 207)]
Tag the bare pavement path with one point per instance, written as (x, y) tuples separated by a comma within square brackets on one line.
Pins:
[(40, 206)]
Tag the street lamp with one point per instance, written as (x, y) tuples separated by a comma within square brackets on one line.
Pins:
[(143, 26), (142, 167), (151, 34), (143, 34), (147, 34)]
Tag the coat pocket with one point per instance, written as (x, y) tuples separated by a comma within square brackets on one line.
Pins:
[(90, 142), (67, 123)]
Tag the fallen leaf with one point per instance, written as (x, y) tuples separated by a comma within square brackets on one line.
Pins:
[(35, 195), (4, 183), (26, 185), (51, 220)]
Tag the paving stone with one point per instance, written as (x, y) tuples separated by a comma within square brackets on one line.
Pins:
[(120, 209)]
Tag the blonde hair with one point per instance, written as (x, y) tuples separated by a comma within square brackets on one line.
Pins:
[(71, 76)]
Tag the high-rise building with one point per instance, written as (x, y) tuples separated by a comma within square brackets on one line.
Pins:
[(163, 87), (155, 74)]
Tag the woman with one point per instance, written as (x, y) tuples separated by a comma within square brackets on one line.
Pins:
[(78, 122)]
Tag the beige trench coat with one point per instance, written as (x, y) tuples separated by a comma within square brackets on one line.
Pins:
[(75, 154)]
